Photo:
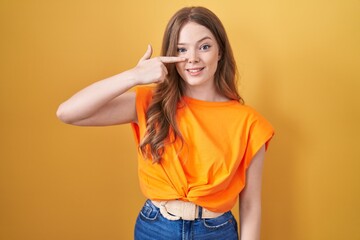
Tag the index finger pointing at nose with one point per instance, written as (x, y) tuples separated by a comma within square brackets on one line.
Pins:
[(172, 59)]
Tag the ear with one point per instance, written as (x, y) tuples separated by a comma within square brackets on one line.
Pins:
[(219, 56)]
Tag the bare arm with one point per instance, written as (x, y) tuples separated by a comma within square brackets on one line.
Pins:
[(102, 103), (107, 102), (250, 199)]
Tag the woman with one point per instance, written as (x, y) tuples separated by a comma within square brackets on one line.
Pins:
[(199, 144)]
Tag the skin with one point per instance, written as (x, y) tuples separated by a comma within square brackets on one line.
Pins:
[(250, 199), (198, 45), (108, 102)]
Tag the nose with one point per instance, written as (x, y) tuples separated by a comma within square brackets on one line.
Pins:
[(193, 57)]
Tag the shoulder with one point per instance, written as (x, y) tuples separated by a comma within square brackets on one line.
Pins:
[(144, 91), (144, 94), (247, 111), (249, 116)]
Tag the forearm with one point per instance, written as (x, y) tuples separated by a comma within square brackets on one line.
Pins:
[(104, 103), (90, 99), (250, 221)]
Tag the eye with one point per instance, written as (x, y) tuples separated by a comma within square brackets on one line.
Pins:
[(205, 47), (181, 50)]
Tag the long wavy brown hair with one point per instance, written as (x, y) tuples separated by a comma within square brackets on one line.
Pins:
[(161, 126)]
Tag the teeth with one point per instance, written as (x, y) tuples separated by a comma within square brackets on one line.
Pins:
[(194, 70)]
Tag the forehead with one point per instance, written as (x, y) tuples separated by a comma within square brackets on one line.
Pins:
[(192, 32)]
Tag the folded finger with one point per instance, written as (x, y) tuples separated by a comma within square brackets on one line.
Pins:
[(164, 69)]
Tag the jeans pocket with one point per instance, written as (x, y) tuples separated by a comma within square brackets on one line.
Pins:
[(149, 212), (225, 220)]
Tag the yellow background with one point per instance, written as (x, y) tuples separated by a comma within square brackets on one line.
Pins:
[(299, 63)]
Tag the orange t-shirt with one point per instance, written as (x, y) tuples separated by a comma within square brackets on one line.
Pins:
[(220, 139)]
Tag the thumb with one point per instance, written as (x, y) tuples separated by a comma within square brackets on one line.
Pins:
[(147, 54)]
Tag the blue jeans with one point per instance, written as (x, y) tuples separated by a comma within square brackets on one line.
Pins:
[(151, 225)]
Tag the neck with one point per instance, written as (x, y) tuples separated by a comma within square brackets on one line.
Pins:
[(208, 94)]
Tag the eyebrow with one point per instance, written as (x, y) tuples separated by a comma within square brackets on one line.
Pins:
[(204, 38)]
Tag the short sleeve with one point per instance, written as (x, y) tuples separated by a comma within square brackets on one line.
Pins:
[(143, 99), (260, 133)]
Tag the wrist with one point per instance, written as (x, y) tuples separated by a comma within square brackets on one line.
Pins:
[(129, 77)]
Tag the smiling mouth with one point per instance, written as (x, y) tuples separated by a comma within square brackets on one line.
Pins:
[(194, 70)]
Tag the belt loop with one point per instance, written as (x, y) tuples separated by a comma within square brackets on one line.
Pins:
[(200, 212), (165, 213)]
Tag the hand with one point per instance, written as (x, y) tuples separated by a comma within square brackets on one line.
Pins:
[(153, 70)]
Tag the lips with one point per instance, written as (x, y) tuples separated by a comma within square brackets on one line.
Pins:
[(194, 71)]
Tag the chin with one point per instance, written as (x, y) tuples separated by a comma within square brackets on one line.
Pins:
[(192, 82)]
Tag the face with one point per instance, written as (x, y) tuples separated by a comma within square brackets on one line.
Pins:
[(198, 45)]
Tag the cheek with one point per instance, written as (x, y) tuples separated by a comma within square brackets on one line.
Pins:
[(180, 67), (214, 63)]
